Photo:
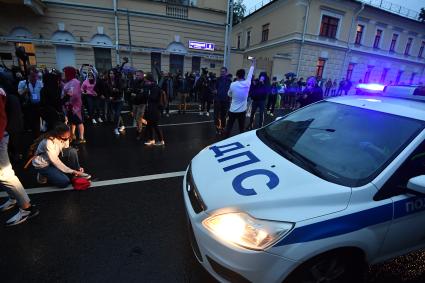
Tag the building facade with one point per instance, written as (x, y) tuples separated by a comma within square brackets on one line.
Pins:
[(175, 35), (332, 39)]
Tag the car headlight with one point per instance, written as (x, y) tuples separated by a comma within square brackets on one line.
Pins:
[(246, 231)]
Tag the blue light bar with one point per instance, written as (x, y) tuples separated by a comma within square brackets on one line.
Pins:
[(372, 87)]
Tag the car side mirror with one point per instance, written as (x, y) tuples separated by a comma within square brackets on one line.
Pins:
[(416, 185)]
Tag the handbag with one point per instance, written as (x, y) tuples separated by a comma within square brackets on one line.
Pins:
[(80, 184)]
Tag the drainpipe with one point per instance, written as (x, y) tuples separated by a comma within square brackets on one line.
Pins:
[(349, 36), (227, 35), (307, 12), (116, 32)]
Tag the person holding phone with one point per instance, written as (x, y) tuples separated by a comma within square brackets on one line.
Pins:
[(238, 92), (55, 161)]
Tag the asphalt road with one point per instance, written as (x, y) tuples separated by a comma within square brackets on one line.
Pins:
[(133, 232)]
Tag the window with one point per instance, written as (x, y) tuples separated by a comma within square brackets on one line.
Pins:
[(155, 63), (367, 74), (350, 71), (296, 138), (384, 75), (421, 50), (377, 38), (320, 67), (265, 33), (399, 74), (408, 46), (102, 59), (30, 50), (359, 34), (196, 64), (412, 78), (329, 26), (239, 41), (248, 39), (393, 42)]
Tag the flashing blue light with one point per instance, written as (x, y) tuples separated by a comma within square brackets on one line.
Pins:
[(373, 87)]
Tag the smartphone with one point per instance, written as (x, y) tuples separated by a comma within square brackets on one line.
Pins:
[(251, 58)]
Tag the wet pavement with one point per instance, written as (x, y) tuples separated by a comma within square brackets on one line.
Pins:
[(133, 232)]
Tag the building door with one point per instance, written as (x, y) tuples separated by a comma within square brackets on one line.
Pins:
[(176, 63), (65, 56), (102, 59), (196, 64)]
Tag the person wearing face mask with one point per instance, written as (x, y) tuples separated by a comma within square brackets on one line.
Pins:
[(54, 160), (88, 89), (30, 93), (311, 93), (259, 95)]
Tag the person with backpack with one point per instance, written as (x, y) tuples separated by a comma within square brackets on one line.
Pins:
[(115, 86), (222, 101), (8, 180), (271, 101), (259, 94), (182, 92), (54, 160), (153, 112)]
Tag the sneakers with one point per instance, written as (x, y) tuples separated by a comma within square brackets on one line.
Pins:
[(41, 179), (117, 133), (160, 143), (9, 204), (85, 176), (152, 142), (121, 129), (23, 215), (99, 120), (93, 121)]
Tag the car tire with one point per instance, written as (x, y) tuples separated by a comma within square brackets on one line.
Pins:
[(331, 268)]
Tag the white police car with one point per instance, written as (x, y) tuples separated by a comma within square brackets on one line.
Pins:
[(314, 196)]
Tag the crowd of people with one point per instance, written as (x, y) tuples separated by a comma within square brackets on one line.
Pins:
[(54, 106)]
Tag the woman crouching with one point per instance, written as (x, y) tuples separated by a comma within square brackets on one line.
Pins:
[(55, 161)]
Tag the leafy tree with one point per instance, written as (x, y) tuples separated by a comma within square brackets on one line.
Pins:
[(422, 15), (239, 10)]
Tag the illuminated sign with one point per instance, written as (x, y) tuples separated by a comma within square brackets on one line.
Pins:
[(201, 45)]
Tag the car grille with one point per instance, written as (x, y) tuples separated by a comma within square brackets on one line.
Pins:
[(195, 198)]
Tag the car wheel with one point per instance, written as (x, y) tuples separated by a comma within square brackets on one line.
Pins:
[(334, 268)]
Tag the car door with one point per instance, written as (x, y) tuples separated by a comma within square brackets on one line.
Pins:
[(407, 230)]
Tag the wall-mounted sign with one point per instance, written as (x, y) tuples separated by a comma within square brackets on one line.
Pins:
[(201, 45)]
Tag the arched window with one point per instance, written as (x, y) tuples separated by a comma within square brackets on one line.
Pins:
[(62, 37)]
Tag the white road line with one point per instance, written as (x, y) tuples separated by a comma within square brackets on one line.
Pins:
[(105, 183), (179, 124)]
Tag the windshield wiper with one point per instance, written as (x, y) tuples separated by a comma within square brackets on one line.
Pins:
[(320, 129)]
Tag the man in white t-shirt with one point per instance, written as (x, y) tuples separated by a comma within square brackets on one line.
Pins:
[(238, 92)]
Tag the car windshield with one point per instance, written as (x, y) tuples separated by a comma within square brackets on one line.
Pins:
[(342, 144)]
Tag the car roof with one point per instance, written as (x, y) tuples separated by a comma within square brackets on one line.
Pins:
[(397, 106)]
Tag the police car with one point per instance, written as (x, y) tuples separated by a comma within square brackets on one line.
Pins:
[(315, 196)]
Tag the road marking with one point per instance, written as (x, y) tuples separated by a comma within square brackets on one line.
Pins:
[(42, 190), (179, 124)]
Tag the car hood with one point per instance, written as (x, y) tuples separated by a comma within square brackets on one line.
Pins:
[(297, 194)]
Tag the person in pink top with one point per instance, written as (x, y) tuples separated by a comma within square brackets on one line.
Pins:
[(73, 107), (88, 89)]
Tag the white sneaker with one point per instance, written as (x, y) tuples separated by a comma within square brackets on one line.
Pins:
[(93, 121), (100, 120), (116, 132), (9, 204), (122, 129), (23, 215), (160, 143), (41, 179), (152, 142), (207, 114)]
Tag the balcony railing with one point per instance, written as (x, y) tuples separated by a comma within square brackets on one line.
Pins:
[(393, 8), (176, 11)]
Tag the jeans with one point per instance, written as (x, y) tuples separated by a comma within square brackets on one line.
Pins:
[(56, 177), (220, 113), (271, 103), (150, 128), (232, 118), (8, 180), (260, 106), (93, 106), (116, 110)]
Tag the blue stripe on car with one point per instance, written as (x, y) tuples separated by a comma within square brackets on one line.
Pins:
[(353, 222)]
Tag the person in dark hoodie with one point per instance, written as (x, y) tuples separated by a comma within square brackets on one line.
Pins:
[(51, 103), (259, 94), (221, 100), (312, 93), (153, 111)]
